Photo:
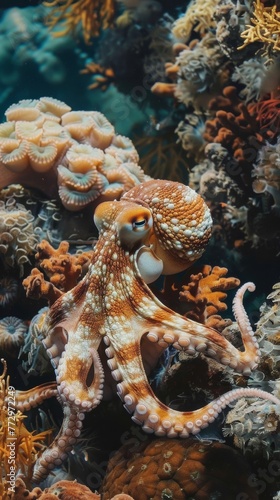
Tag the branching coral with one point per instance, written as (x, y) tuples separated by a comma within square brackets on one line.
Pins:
[(63, 270), (19, 448), (265, 27), (177, 469), (92, 16), (204, 295), (43, 143), (198, 18)]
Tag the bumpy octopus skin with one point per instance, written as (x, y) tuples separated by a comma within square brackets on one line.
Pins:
[(111, 319)]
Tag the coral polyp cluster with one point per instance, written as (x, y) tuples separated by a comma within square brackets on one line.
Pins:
[(44, 144)]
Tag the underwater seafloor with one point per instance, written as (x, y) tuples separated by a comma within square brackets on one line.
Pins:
[(98, 97)]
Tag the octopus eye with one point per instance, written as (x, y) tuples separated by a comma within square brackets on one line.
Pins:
[(134, 225), (139, 224)]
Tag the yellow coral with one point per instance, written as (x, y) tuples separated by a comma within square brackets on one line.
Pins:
[(198, 17), (19, 448), (91, 14), (265, 27)]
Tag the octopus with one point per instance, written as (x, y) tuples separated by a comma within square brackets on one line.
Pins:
[(105, 335)]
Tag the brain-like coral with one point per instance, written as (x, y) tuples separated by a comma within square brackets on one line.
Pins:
[(174, 469), (45, 145), (17, 238)]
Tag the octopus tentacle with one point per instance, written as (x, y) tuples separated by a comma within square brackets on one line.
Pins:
[(83, 396), (62, 444), (139, 399), (250, 342), (25, 400), (185, 334), (163, 421)]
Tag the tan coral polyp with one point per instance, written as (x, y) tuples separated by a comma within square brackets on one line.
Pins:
[(61, 143), (123, 148), (7, 131), (102, 132), (78, 124), (28, 131), (41, 157), (13, 155), (53, 106), (52, 128), (83, 157), (24, 111)]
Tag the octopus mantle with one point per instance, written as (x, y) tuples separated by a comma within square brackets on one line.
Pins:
[(108, 332)]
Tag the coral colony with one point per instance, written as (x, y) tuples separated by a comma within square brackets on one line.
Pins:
[(118, 262)]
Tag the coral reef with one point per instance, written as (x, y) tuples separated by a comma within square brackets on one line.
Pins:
[(176, 221), (231, 99), (177, 469), (43, 143)]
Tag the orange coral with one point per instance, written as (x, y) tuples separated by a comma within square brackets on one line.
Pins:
[(102, 76), (205, 293), (63, 269), (65, 490), (234, 125), (93, 15), (171, 468)]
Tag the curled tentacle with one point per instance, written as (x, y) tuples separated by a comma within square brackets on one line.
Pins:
[(248, 337), (25, 400), (185, 334), (134, 390), (80, 392)]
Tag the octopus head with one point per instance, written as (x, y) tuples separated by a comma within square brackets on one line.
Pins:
[(181, 222), (165, 224)]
